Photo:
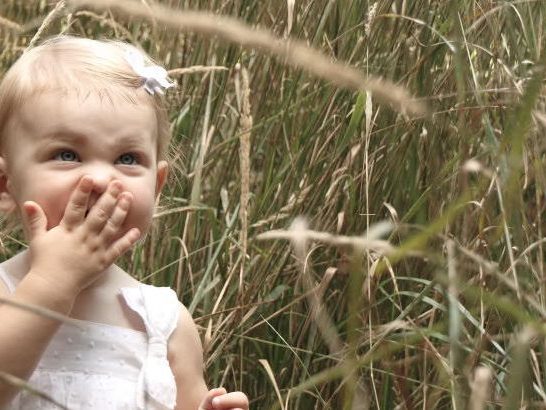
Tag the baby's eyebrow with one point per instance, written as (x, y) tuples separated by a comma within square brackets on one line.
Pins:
[(131, 140), (64, 136)]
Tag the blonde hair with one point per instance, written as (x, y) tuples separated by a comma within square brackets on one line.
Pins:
[(79, 65)]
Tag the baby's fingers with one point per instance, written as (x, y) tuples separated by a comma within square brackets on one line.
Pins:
[(77, 204), (34, 219), (103, 210), (231, 401), (122, 245), (206, 404), (114, 224)]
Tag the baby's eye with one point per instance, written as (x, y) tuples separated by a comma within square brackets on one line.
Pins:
[(66, 155), (127, 159)]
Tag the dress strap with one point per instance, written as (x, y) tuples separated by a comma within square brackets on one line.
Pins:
[(7, 280), (159, 309)]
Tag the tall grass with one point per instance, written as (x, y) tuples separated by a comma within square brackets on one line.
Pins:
[(446, 309)]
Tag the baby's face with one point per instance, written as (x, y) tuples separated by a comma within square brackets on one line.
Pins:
[(56, 139)]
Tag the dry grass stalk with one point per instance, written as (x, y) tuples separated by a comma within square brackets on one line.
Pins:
[(271, 376), (324, 323), (285, 211), (38, 310), (372, 11), (492, 268), (109, 22), (300, 235), (508, 239), (290, 17), (195, 69), (53, 14), (244, 161), (359, 242), (481, 388), (10, 24), (454, 325), (518, 384), (295, 53), (540, 117)]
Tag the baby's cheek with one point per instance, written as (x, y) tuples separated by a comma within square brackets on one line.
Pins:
[(53, 208), (52, 195), (141, 211)]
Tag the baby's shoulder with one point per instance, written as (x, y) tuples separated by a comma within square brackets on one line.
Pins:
[(186, 326), (185, 354), (185, 340)]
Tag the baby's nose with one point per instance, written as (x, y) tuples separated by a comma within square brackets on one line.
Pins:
[(99, 184), (102, 176)]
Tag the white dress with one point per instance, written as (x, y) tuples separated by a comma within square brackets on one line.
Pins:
[(104, 367)]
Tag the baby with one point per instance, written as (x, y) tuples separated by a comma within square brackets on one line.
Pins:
[(83, 140)]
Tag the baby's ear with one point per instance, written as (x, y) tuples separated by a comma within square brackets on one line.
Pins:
[(161, 176), (7, 203)]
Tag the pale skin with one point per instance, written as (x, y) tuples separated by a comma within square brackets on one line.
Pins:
[(70, 266)]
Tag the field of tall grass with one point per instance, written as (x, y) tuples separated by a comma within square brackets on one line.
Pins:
[(356, 213)]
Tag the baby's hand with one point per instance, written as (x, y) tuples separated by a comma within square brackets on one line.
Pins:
[(220, 399), (71, 255)]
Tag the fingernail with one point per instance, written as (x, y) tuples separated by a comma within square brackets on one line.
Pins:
[(30, 210), (86, 182), (115, 189), (136, 233), (124, 202), (216, 401)]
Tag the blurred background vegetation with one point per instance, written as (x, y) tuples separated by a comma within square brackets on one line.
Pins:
[(452, 314)]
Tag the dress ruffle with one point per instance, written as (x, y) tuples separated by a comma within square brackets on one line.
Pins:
[(159, 309)]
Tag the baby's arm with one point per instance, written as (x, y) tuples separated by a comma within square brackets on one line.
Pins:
[(186, 361), (63, 261)]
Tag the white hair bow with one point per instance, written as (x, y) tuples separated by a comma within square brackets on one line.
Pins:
[(154, 76)]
